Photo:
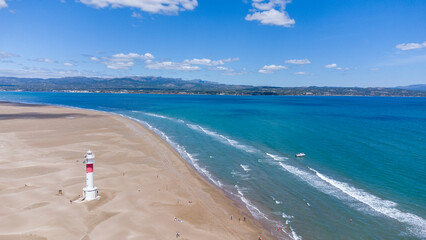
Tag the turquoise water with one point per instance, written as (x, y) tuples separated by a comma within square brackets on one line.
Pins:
[(366, 156)]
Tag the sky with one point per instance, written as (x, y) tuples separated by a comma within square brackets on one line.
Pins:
[(288, 43)]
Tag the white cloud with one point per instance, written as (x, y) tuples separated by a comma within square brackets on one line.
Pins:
[(45, 60), (48, 73), (231, 59), (180, 66), (333, 65), (301, 73), (411, 46), (271, 68), (209, 62), (271, 17), (271, 12), (126, 61), (220, 68), (123, 61), (146, 56), (151, 6), (7, 55), (3, 4), (298, 61), (230, 71), (193, 65), (136, 15), (203, 61), (68, 64)]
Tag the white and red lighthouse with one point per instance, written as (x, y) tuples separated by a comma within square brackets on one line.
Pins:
[(90, 192)]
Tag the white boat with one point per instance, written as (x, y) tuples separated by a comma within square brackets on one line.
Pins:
[(300, 155)]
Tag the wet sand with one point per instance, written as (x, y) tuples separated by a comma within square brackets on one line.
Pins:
[(147, 190)]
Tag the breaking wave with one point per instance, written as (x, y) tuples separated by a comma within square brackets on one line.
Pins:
[(385, 207), (222, 138), (343, 191), (246, 168), (276, 201), (164, 117)]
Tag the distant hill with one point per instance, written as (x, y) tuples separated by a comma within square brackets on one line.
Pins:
[(91, 84), (160, 85), (416, 87)]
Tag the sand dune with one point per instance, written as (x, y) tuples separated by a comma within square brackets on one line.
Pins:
[(144, 184)]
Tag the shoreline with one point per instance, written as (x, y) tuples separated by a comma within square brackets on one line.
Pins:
[(197, 94), (221, 198)]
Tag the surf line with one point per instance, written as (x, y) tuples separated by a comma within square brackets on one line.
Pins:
[(417, 225)]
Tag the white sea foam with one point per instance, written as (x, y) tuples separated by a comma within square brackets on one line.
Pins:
[(287, 216), (245, 167), (276, 157), (304, 175), (253, 209), (164, 117), (259, 214), (417, 224), (241, 175), (276, 201), (222, 138), (294, 235), (343, 191)]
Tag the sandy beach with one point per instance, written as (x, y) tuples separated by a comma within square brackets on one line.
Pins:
[(147, 190)]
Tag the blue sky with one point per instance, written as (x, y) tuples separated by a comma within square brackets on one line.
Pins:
[(257, 42)]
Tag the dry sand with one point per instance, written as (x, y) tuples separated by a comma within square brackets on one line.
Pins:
[(143, 183)]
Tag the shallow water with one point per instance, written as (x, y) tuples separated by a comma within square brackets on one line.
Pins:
[(365, 156)]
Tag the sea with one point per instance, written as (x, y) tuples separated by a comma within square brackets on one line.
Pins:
[(363, 176)]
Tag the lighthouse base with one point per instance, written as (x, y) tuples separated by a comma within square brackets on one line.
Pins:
[(90, 193)]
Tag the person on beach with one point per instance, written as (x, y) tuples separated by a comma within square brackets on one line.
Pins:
[(231, 217)]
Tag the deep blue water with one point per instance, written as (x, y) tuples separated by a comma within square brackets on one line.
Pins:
[(366, 156)]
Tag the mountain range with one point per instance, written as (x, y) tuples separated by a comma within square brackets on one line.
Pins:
[(416, 87), (161, 85)]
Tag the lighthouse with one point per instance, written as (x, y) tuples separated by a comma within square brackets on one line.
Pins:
[(90, 192)]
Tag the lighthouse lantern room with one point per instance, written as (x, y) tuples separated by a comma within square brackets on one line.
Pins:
[(90, 192)]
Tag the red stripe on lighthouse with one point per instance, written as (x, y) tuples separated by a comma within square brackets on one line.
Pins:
[(89, 168)]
